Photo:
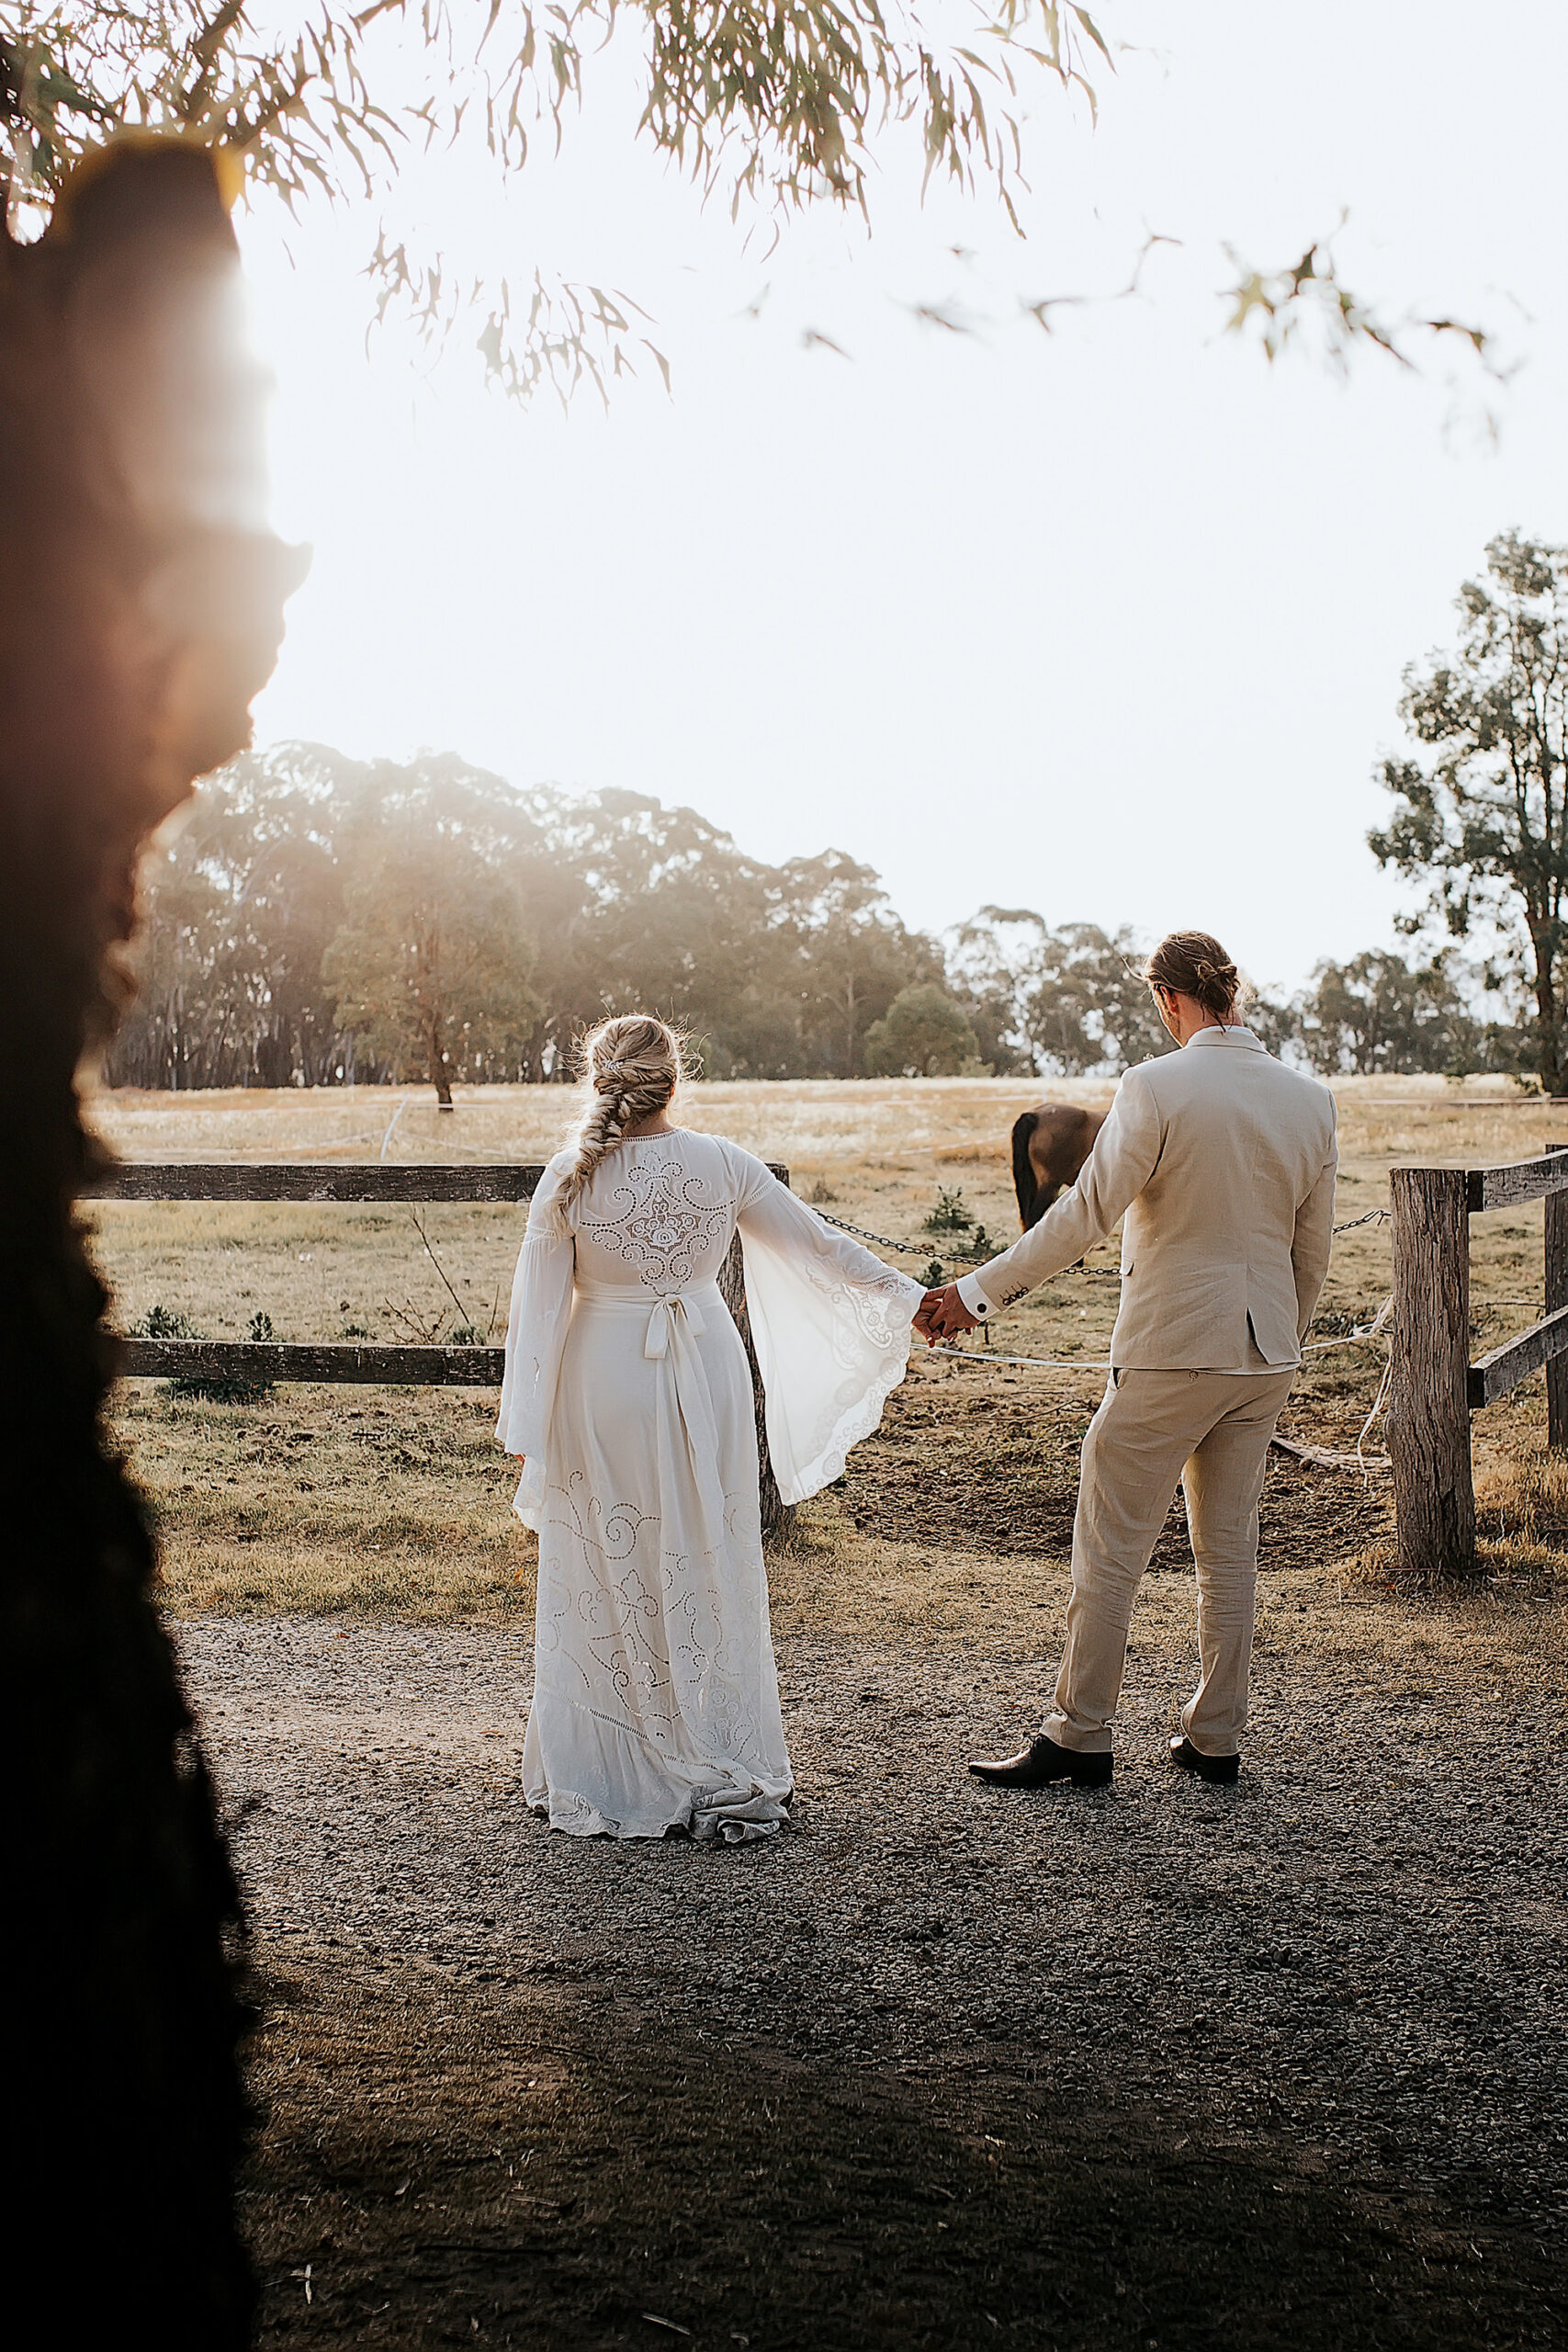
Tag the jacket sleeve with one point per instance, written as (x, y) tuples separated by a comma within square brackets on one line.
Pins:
[(1126, 1153), (1313, 1239)]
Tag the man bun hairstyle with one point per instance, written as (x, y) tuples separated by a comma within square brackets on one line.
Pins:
[(631, 1065), (1192, 963)]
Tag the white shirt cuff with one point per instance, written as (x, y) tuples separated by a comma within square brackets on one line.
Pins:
[(972, 1296)]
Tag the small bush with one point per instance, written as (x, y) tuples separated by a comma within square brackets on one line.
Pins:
[(166, 1323), (951, 1215), (466, 1335)]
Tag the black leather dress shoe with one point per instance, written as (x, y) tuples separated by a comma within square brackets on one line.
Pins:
[(1188, 1758), (1043, 1761)]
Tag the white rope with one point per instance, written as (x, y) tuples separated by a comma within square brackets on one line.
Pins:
[(397, 1114), (1378, 1403), (1361, 1338), (1039, 1363)]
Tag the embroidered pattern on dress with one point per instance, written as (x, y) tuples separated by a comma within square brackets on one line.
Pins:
[(666, 1225), (645, 1638)]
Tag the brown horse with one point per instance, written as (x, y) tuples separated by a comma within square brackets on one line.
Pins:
[(1050, 1145)]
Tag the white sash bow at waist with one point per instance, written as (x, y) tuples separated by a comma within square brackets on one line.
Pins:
[(673, 1321), (676, 1314)]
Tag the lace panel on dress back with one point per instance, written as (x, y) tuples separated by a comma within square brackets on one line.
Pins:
[(663, 1212)]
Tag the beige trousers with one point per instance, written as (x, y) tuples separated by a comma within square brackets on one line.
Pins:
[(1210, 1430)]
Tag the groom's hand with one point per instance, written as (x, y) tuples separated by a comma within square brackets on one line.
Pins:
[(942, 1315)]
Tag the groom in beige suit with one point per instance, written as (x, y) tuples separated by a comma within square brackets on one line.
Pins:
[(1221, 1164)]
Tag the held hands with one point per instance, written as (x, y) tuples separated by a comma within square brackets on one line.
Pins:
[(941, 1315)]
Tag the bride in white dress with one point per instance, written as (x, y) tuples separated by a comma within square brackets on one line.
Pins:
[(628, 1393)]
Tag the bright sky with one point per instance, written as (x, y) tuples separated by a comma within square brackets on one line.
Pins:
[(1109, 622)]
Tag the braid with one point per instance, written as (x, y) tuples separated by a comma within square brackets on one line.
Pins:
[(632, 1066)]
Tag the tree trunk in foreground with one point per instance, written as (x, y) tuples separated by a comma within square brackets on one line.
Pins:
[(135, 624)]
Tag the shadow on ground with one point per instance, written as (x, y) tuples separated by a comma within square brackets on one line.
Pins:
[(448, 2163)]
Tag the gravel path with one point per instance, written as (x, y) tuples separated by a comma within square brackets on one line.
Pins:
[(1362, 1946)]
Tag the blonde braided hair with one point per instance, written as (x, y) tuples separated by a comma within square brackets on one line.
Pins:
[(632, 1065)]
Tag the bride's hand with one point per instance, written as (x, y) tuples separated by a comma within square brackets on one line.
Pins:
[(942, 1315)]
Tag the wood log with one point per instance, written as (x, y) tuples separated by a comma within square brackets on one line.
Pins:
[(1557, 1296), (1428, 1396)]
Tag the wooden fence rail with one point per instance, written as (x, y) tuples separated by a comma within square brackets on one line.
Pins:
[(362, 1181), (257, 1363), (248, 1364), (1434, 1386)]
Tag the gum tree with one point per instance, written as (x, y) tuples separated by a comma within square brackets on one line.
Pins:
[(434, 962), (923, 1034), (1483, 820), (768, 105)]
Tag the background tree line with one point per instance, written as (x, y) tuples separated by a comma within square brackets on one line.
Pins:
[(319, 920)]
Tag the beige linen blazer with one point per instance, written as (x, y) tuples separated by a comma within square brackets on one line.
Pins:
[(1222, 1162)]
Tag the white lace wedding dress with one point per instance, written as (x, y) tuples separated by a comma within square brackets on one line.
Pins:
[(656, 1701)]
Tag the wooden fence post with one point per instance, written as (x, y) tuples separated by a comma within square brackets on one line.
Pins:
[(776, 1512), (1557, 1296), (1429, 1425)]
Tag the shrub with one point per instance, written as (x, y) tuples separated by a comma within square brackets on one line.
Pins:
[(951, 1213), (166, 1323)]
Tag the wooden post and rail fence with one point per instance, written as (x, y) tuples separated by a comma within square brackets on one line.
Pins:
[(369, 1184), (1434, 1388)]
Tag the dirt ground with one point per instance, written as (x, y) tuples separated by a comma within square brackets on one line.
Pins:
[(1164, 2066), (979, 1462)]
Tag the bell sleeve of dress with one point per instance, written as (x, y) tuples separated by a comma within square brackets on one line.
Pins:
[(830, 1325), (535, 1335)]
